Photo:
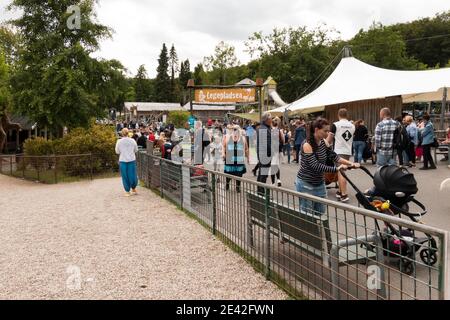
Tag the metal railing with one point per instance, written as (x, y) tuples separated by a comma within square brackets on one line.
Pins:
[(58, 168), (345, 253)]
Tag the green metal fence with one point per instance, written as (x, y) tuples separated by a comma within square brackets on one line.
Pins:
[(56, 169), (346, 253)]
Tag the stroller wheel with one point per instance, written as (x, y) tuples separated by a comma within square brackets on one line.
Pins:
[(406, 266), (429, 257)]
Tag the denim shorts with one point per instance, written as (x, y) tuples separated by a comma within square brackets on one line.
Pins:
[(308, 206)]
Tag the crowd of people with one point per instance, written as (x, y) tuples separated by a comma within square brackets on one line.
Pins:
[(321, 149)]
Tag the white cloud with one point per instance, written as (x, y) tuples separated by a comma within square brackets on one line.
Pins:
[(195, 27)]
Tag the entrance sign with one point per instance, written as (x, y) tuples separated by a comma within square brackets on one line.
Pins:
[(229, 95)]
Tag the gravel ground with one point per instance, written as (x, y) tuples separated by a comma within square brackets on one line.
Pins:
[(87, 241)]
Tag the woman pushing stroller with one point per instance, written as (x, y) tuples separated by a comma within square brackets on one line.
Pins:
[(317, 159)]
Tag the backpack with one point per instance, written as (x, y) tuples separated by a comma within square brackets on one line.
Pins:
[(286, 137), (401, 138)]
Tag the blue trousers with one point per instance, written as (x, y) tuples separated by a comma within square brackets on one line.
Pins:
[(129, 176), (308, 206), (358, 150)]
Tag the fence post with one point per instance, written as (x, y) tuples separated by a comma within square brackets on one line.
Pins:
[(214, 213), (24, 164), (444, 293), (56, 169), (38, 165), (11, 165), (161, 177), (181, 187), (1, 163), (92, 166), (267, 247)]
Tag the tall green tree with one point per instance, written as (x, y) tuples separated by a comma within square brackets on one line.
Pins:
[(199, 74), (162, 81), (185, 73), (113, 85), (53, 83), (383, 47), (220, 62), (174, 70), (9, 43), (142, 86), (428, 39), (294, 57)]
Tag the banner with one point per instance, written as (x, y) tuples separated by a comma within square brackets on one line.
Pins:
[(232, 95)]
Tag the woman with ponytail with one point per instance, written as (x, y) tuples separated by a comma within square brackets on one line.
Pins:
[(317, 159)]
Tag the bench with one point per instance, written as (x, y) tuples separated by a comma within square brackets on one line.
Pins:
[(443, 149), (311, 233)]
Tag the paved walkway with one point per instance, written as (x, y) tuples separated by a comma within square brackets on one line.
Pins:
[(87, 241)]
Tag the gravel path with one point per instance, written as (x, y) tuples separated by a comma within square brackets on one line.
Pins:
[(87, 241)]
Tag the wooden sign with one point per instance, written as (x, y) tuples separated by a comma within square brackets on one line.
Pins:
[(232, 95)]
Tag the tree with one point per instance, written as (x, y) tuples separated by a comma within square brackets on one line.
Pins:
[(383, 47), (5, 123), (427, 40), (199, 74), (113, 85), (292, 56), (9, 44), (142, 86), (173, 67), (162, 81), (56, 79), (185, 73), (224, 57)]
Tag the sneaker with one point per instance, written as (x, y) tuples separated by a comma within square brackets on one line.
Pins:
[(127, 194), (338, 195), (134, 192), (345, 198), (279, 183)]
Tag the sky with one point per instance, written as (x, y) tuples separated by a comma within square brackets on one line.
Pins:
[(196, 27)]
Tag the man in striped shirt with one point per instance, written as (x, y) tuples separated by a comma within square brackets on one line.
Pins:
[(384, 139)]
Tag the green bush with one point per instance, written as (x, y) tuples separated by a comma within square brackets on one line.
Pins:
[(178, 118), (38, 147), (99, 141)]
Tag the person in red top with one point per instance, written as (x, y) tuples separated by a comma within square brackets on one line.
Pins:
[(210, 122), (151, 137)]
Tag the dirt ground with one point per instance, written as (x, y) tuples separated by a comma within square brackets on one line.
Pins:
[(87, 241)]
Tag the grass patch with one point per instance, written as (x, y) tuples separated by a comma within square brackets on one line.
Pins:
[(49, 177)]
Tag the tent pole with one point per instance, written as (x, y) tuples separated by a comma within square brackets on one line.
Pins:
[(443, 109)]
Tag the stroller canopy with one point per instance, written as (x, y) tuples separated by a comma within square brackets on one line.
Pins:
[(392, 179)]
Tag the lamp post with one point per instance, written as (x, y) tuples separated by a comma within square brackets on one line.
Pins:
[(191, 86), (259, 85), (443, 109)]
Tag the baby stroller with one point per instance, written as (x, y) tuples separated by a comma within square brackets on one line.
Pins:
[(393, 193)]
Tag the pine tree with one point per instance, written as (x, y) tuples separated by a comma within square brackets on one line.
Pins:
[(162, 82), (173, 67), (199, 74), (185, 73), (142, 85)]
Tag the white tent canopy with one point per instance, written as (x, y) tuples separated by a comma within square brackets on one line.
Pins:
[(354, 80)]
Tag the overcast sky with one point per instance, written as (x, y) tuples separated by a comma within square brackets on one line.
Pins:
[(195, 27)]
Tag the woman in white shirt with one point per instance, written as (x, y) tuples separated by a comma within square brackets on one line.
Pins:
[(127, 149)]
